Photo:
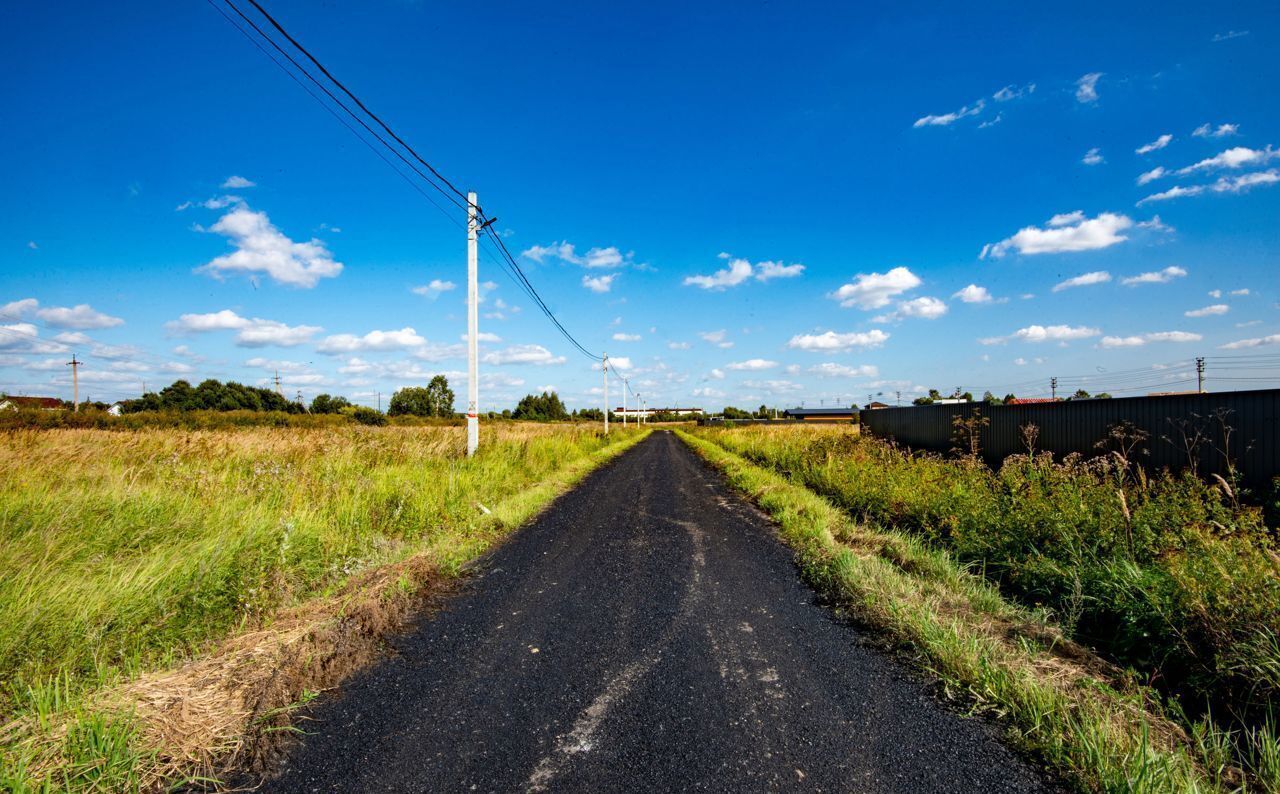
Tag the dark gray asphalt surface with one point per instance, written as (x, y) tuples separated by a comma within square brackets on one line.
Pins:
[(646, 633)]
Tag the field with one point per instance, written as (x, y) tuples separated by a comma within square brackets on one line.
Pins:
[(131, 559), (1168, 576)]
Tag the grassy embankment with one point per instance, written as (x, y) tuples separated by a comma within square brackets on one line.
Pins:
[(1172, 580), (168, 596)]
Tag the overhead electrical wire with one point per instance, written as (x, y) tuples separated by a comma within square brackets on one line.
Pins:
[(504, 258)]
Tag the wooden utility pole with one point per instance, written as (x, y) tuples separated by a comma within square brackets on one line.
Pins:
[(75, 381)]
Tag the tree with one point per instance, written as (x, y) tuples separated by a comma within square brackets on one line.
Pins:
[(1080, 394), (436, 399), (545, 407), (410, 401), (590, 415), (440, 396), (326, 404), (990, 399), (730, 412), (763, 413), (1008, 398)]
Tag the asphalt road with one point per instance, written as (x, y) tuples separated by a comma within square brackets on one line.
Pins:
[(649, 633)]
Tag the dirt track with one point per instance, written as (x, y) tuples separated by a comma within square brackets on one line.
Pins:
[(646, 633)]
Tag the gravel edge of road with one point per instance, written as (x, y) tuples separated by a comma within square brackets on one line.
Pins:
[(1087, 732)]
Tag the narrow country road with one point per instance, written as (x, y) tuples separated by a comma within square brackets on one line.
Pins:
[(646, 633)]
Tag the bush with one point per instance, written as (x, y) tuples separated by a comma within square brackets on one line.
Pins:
[(368, 416)]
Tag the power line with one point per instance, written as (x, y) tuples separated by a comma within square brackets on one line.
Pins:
[(507, 261)]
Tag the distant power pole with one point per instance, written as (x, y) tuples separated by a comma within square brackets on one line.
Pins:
[(605, 369), (624, 403), (379, 402), (1053, 388), (279, 391), (75, 381), (1200, 373), (473, 326), (899, 393)]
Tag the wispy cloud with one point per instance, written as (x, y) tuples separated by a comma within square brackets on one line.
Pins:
[(1043, 333), (1085, 280), (1209, 311), (1155, 277), (946, 119), (537, 355), (1230, 34), (1087, 87), (1273, 339), (751, 365), (433, 289), (250, 331), (1093, 157), (1156, 145), (739, 270), (599, 283), (609, 257), (238, 183), (1142, 339), (1220, 131), (974, 294)]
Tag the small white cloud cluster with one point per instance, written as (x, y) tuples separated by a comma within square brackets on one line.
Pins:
[(739, 270), (1142, 339), (1065, 232)]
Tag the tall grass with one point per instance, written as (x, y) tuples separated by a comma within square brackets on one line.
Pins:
[(122, 552), (1165, 574)]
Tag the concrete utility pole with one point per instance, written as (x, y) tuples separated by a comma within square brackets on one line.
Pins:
[(473, 326), (624, 403), (1053, 388), (75, 381), (605, 370), (1200, 374)]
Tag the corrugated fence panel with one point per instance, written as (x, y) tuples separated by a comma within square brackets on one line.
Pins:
[(1244, 425)]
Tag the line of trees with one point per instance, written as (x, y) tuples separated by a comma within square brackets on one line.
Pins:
[(212, 395)]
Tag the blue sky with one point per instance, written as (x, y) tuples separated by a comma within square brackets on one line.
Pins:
[(740, 203)]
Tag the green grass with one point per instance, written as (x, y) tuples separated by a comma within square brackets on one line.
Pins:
[(129, 552), (1165, 575)]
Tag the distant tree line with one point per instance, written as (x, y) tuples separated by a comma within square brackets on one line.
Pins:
[(212, 395)]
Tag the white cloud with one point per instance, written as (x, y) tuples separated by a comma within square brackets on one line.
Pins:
[(238, 183), (946, 119), (1230, 34), (483, 336), (620, 362), (1235, 157), (923, 307), (1067, 232), (1013, 92), (72, 338), (1177, 191), (738, 271), (1274, 339), (80, 317), (404, 339), (1041, 333), (1215, 293), (262, 248), (679, 345), (32, 245), (1207, 311), (1244, 291), (621, 337), (766, 271), (773, 386), (716, 374), (830, 369), (716, 338), (536, 355), (259, 362), (876, 290), (753, 364), (15, 310), (599, 283), (1156, 145), (1087, 87), (707, 392), (1152, 175), (991, 122), (832, 342), (1142, 339), (250, 331), (25, 338), (604, 258), (434, 288), (974, 294), (1221, 131), (1085, 280), (1155, 277), (1239, 184), (1093, 157)]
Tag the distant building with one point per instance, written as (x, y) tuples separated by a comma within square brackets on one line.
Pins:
[(116, 409), (876, 405), (948, 401), (639, 412), (822, 414), (39, 403)]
